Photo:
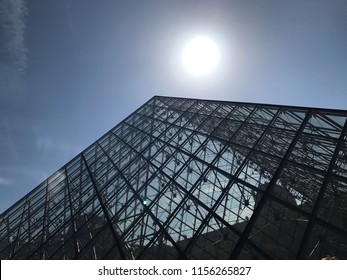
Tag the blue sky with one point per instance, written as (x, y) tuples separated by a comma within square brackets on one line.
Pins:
[(70, 70)]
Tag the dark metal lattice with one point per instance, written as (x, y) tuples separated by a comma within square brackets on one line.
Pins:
[(194, 179)]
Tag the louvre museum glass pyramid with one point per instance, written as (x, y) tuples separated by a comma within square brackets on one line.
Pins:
[(194, 179)]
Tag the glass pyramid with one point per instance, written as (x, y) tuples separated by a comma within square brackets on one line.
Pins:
[(194, 179)]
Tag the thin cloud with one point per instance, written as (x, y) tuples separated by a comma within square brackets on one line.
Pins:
[(6, 137), (4, 182), (12, 33), (46, 145)]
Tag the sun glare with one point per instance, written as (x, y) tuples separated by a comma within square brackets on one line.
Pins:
[(200, 56)]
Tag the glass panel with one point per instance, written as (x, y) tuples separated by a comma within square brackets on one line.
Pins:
[(215, 242), (333, 207), (299, 186), (278, 231), (324, 242)]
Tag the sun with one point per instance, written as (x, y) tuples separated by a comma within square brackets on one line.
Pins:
[(200, 56)]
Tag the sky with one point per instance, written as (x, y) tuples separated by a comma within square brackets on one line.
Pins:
[(70, 70)]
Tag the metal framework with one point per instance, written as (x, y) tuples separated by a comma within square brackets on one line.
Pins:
[(194, 179)]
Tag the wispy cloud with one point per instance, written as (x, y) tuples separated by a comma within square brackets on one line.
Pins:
[(6, 138), (4, 182), (12, 33), (47, 145)]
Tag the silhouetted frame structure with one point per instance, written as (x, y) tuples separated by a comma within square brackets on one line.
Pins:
[(194, 179)]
